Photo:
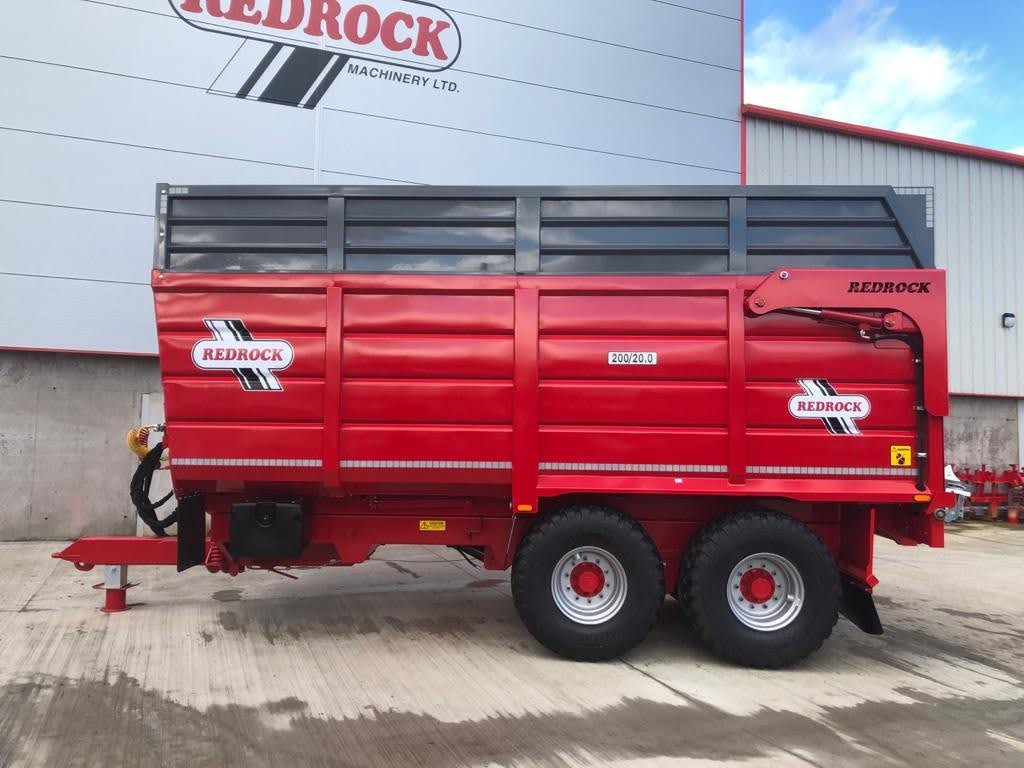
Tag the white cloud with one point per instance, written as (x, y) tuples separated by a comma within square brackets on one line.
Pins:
[(856, 66), (1017, 150)]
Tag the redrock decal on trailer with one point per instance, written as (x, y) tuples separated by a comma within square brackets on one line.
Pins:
[(821, 401), (878, 286), (233, 348), (400, 32)]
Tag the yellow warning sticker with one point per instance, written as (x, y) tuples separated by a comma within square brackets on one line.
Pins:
[(899, 455), (432, 525)]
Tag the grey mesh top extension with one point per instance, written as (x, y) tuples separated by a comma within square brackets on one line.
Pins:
[(547, 230)]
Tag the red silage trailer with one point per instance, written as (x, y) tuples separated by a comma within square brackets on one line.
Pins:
[(718, 393)]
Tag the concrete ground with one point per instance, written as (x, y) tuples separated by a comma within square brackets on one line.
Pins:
[(417, 659)]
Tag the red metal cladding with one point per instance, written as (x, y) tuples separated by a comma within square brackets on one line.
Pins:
[(301, 400), (437, 370), (842, 360), (625, 315), (639, 447), (640, 403), (395, 443), (428, 313), (806, 453), (427, 356), (262, 311), (427, 402)]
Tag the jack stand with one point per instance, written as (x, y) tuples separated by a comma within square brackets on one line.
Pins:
[(115, 585)]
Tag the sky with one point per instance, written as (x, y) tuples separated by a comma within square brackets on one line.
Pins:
[(942, 69)]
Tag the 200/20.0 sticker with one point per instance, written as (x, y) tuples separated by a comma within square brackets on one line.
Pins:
[(632, 358)]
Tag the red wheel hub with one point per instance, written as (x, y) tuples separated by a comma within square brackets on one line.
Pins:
[(757, 586), (586, 579)]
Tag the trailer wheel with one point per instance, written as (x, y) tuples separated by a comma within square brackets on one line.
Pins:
[(760, 588), (588, 583)]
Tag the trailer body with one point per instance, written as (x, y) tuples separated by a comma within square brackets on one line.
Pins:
[(346, 367)]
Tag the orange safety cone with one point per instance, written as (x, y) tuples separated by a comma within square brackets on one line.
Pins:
[(1012, 516)]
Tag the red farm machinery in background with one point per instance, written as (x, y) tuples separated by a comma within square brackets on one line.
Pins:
[(992, 492), (718, 393)]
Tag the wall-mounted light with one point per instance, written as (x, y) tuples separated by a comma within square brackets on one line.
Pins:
[(1009, 320)]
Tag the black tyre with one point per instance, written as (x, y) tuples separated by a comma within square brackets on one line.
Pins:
[(760, 588), (588, 583)]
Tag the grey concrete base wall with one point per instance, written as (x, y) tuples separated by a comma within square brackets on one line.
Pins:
[(982, 430), (64, 467)]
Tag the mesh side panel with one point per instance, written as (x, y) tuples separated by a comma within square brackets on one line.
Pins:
[(600, 236), (246, 234), (435, 235)]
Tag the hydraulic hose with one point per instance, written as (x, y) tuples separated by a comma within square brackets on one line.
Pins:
[(139, 492)]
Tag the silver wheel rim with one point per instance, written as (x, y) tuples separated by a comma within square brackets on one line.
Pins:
[(583, 607), (751, 600)]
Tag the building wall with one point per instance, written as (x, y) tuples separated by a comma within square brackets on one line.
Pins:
[(99, 101), (979, 232), (982, 430), (64, 467)]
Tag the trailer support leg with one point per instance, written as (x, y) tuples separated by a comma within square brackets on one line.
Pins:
[(115, 587)]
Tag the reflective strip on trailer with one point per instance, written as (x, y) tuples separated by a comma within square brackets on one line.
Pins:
[(398, 464), (589, 467), (858, 471), (544, 466), (211, 462)]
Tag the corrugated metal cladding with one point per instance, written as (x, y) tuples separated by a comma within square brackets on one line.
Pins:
[(979, 232)]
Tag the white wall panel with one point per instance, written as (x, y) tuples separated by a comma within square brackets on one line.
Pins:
[(657, 30), (114, 38), (979, 232), (616, 126), (66, 313), (726, 8), (611, 70), (94, 174), (80, 103), (86, 243), (101, 100), (474, 158)]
